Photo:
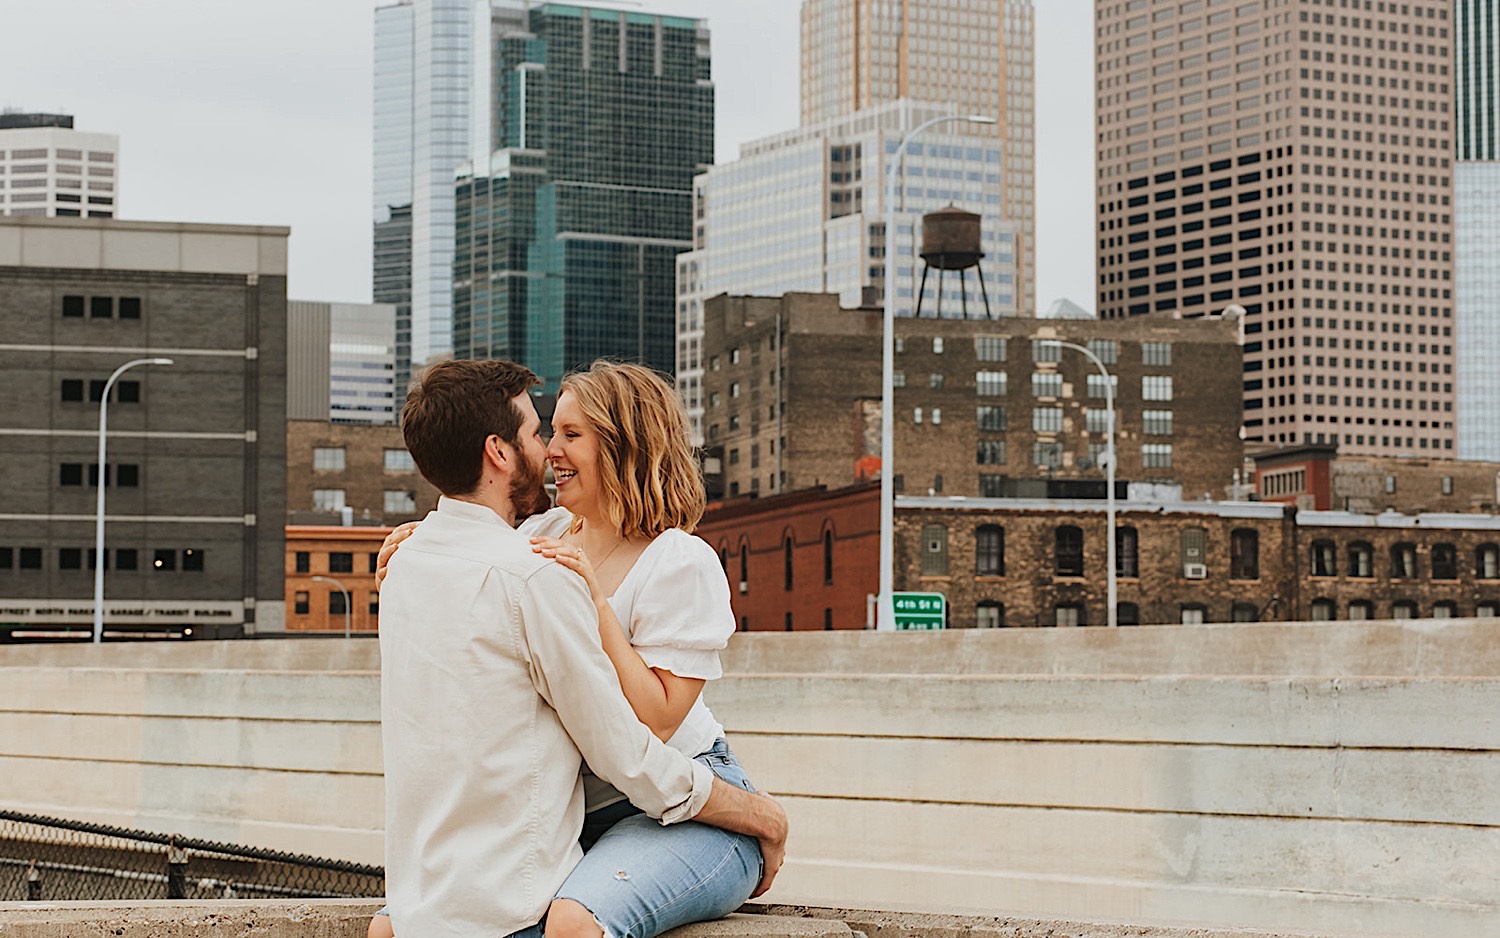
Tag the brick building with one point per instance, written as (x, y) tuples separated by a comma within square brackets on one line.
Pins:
[(791, 394), (1316, 476), (1041, 562), (363, 471), (344, 554)]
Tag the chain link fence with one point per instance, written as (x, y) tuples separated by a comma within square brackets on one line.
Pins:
[(54, 860)]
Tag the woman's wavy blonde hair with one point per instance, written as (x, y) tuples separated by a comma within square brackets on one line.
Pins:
[(649, 480)]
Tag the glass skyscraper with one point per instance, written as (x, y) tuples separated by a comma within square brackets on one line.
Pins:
[(1476, 224), (569, 221)]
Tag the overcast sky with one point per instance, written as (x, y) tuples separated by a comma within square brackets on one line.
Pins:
[(258, 112)]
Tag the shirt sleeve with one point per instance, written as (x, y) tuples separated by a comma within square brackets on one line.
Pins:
[(682, 617), (570, 670)]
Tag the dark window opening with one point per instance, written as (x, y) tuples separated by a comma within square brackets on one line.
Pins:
[(1068, 551)]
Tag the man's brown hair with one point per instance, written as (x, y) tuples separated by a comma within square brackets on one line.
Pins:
[(455, 407)]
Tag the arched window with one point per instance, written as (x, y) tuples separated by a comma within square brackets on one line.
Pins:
[(1321, 610), (1193, 614), (724, 556), (1361, 559), (1444, 562), (1487, 562), (989, 614), (1127, 613), (744, 565), (827, 556), (1067, 554), (1488, 609), (989, 550), (1244, 554), (1403, 609), (1325, 559), (1445, 610), (1404, 560), (1127, 552), (786, 563), (934, 550), (827, 620), (1244, 612), (1069, 614), (1361, 609)]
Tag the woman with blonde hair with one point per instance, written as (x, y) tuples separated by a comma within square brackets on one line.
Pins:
[(629, 494)]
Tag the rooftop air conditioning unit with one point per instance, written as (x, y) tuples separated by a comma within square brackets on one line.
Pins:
[(1194, 571)]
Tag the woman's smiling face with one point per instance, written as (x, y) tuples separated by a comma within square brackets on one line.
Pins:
[(574, 457)]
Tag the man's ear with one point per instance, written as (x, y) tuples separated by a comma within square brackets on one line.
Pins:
[(496, 453)]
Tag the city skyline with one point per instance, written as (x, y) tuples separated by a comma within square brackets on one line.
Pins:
[(274, 126)]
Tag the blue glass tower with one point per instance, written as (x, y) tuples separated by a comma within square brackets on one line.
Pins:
[(568, 226)]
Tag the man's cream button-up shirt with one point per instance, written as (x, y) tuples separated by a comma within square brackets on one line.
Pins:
[(493, 682)]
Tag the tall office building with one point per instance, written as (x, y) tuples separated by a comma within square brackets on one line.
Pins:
[(805, 211), (341, 361), (1295, 160), (421, 88), (1476, 221), (578, 195), (972, 56), (51, 170)]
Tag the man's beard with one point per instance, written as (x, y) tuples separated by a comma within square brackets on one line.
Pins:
[(528, 494)]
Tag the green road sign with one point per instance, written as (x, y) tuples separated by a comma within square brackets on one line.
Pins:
[(917, 612)]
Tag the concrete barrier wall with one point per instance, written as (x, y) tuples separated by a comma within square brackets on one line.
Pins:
[(1331, 776)]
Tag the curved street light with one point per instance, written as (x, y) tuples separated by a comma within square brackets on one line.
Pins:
[(885, 613), (348, 599), (99, 501)]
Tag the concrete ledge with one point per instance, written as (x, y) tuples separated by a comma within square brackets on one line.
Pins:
[(347, 918)]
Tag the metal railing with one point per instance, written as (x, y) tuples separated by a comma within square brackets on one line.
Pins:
[(54, 859)]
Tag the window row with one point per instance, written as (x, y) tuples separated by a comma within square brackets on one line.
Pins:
[(124, 392), (788, 568), (1068, 552), (990, 613), (302, 602), (337, 561), (996, 348), (125, 475), (125, 559), (101, 307), (395, 501), (332, 459), (1360, 560)]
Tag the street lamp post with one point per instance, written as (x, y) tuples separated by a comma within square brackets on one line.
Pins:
[(1111, 591), (885, 613), (348, 599), (99, 500)]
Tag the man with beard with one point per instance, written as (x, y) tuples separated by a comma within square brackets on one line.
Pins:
[(494, 684)]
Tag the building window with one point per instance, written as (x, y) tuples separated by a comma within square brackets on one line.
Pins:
[(916, 415), (1361, 609), (1488, 609), (30, 558), (992, 485), (935, 380), (130, 306), (164, 560), (1321, 610), (990, 383), (1404, 561), (744, 566), (399, 460), (827, 619), (328, 458), (1046, 384), (827, 557), (989, 614), (1193, 614), (1244, 612), (70, 558), (1047, 455), (1047, 419), (301, 604), (989, 348), (1324, 559), (1403, 609), (70, 473), (937, 416), (1096, 420), (934, 550), (1361, 559), (1447, 485), (1107, 350), (72, 307), (1127, 552), (1067, 551), (400, 502), (125, 558), (937, 345), (336, 604), (1487, 562), (1445, 610), (1444, 562), (1156, 353), (1244, 554), (1156, 455), (1156, 422), (374, 605), (990, 453), (72, 390), (1390, 485), (328, 499), (304, 562), (192, 560), (1194, 547), (341, 562), (101, 307), (1127, 614), (898, 380), (1045, 350), (992, 419), (1097, 386), (1156, 388), (786, 563), (1068, 614), (374, 561), (989, 550)]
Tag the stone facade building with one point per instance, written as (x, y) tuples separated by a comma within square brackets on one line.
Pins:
[(362, 471), (983, 407), (343, 557), (1316, 476), (196, 465)]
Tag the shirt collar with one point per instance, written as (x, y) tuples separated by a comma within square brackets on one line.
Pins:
[(468, 511)]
